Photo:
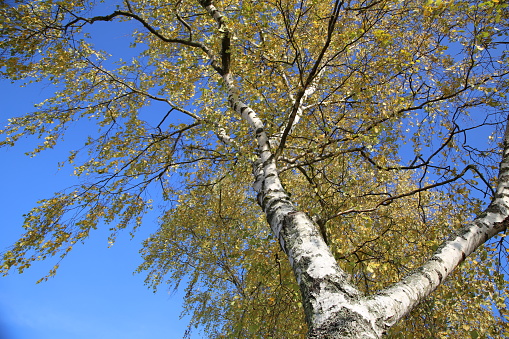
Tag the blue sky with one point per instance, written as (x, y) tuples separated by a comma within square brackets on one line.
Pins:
[(94, 295)]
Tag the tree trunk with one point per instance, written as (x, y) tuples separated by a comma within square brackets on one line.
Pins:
[(333, 307)]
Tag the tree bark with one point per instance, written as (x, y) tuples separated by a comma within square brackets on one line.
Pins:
[(350, 316), (334, 308)]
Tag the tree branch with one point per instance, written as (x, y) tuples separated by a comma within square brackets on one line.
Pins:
[(311, 77), (151, 29), (395, 302), (389, 200)]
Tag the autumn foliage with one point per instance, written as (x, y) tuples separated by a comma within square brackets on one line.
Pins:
[(384, 120)]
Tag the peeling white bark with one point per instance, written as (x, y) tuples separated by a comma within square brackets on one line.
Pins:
[(333, 307)]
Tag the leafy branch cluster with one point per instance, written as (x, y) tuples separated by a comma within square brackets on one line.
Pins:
[(369, 112)]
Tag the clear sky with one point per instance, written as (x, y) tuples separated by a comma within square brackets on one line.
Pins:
[(94, 295)]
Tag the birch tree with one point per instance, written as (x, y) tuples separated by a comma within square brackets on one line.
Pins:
[(322, 168)]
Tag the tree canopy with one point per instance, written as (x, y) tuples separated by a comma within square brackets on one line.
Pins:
[(369, 132)]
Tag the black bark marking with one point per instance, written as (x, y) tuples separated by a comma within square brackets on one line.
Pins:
[(463, 257), (440, 276), (225, 53)]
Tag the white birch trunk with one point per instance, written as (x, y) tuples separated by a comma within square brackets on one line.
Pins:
[(333, 307)]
